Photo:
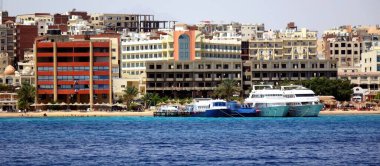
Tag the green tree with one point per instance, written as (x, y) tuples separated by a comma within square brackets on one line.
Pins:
[(26, 96), (151, 99), (129, 94), (227, 89), (377, 96), (340, 89)]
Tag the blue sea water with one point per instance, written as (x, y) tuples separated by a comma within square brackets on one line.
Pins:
[(325, 140)]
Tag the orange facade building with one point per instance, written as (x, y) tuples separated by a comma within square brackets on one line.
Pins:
[(73, 72)]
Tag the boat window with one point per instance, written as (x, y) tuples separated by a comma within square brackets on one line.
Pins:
[(304, 95), (216, 104)]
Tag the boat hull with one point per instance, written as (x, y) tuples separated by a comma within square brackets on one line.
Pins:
[(244, 112), (213, 113), (278, 111), (305, 110)]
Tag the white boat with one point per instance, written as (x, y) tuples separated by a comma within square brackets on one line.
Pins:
[(302, 102), (268, 101), (168, 108)]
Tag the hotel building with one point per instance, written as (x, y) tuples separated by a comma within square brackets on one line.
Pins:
[(344, 46), (186, 47), (73, 72), (288, 55)]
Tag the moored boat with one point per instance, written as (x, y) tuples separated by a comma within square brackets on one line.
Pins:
[(205, 107), (243, 110), (267, 101), (302, 102)]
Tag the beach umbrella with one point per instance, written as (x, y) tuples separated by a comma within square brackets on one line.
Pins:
[(49, 103)]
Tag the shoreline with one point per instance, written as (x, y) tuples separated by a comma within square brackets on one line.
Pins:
[(76, 114), (143, 114)]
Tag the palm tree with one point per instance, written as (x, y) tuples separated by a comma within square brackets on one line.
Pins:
[(147, 98), (151, 99), (129, 94), (227, 89), (26, 96)]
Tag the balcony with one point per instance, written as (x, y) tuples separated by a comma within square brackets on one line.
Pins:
[(101, 63), (45, 64), (45, 73), (103, 91), (101, 72), (101, 81), (45, 91), (73, 64), (70, 54), (50, 54), (51, 82), (73, 73), (105, 54)]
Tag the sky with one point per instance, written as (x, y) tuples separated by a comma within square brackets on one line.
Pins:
[(275, 14)]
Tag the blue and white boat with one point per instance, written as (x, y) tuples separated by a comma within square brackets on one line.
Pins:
[(268, 101), (243, 110), (206, 107), (302, 102)]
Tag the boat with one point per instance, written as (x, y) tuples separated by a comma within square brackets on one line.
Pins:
[(243, 110), (168, 108), (206, 107), (302, 102), (267, 101)]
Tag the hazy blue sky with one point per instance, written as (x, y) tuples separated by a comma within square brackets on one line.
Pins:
[(313, 14)]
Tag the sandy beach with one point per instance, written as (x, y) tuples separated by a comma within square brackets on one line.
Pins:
[(349, 112), (145, 113), (75, 114)]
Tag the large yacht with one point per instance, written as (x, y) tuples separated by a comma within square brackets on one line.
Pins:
[(302, 102), (268, 101)]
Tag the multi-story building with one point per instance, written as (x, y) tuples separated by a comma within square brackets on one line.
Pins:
[(4, 17), (190, 78), (114, 38), (41, 20), (131, 22), (78, 26), (136, 50), (8, 101), (356, 50), (371, 60), (288, 55), (343, 46), (368, 77), (73, 72), (252, 31), (7, 40), (24, 35), (185, 43), (60, 19)]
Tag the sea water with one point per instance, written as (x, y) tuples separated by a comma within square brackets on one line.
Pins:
[(325, 140)]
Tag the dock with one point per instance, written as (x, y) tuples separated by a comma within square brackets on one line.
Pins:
[(173, 114)]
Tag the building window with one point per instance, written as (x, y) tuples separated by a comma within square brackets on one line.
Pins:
[(184, 51)]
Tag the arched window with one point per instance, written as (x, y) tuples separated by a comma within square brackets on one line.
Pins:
[(184, 45)]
